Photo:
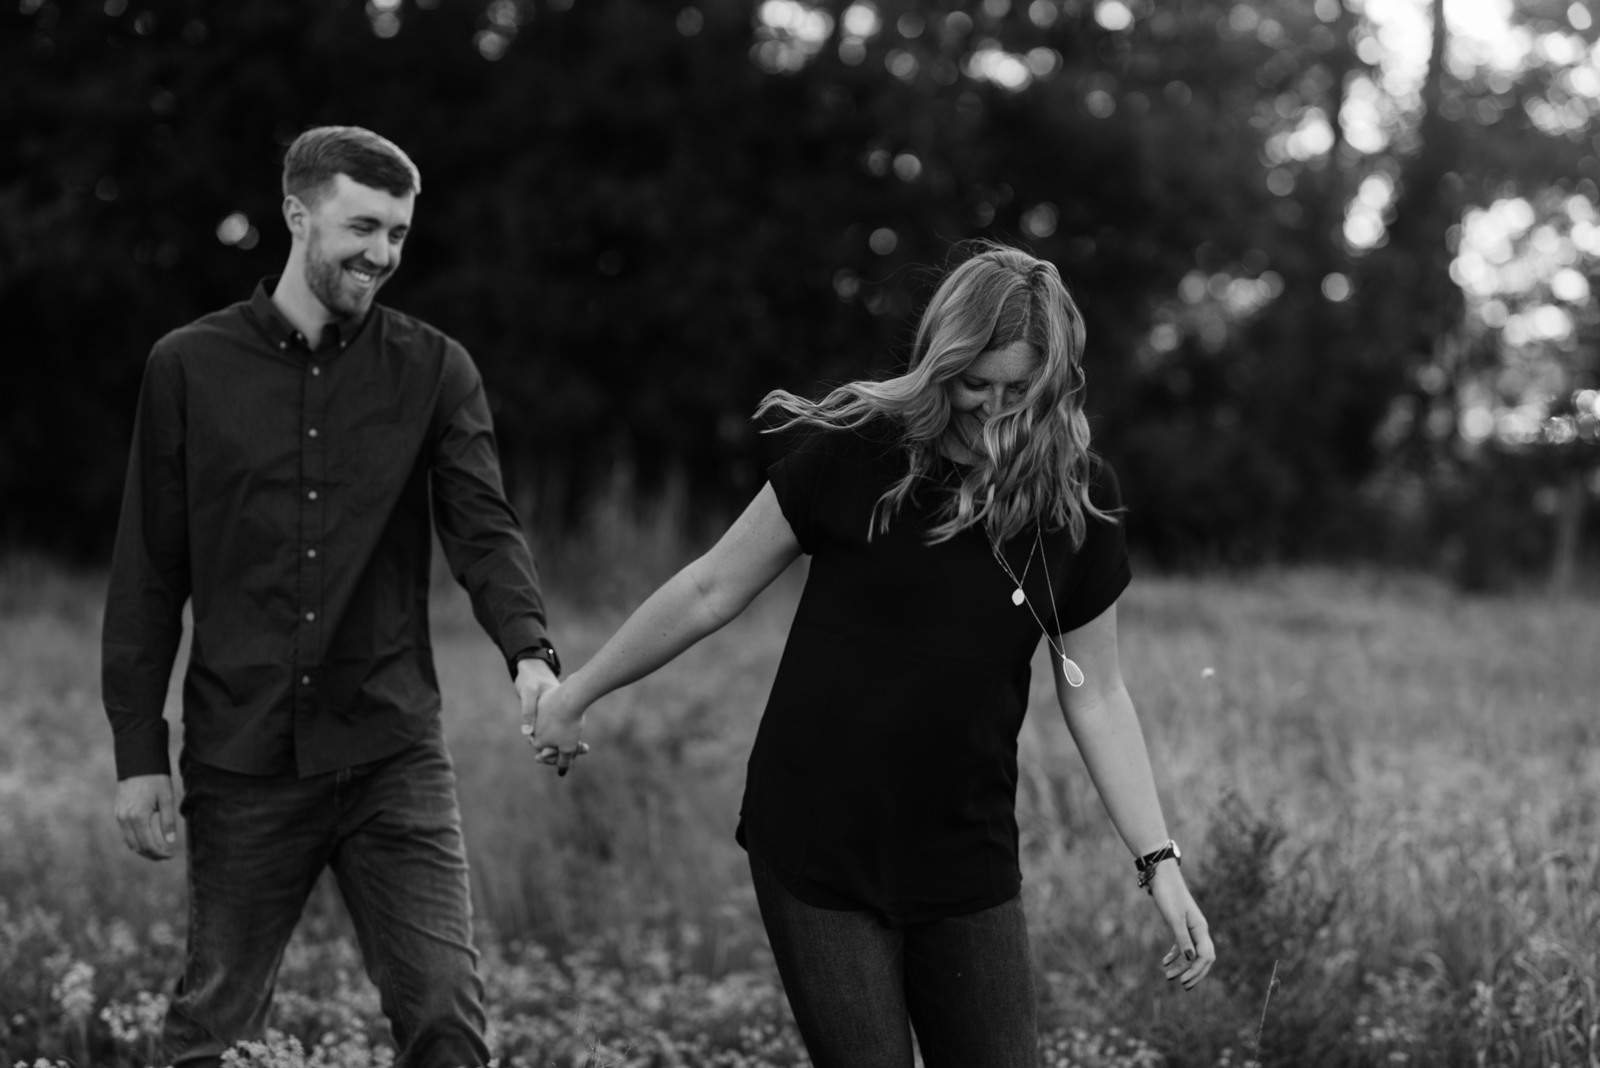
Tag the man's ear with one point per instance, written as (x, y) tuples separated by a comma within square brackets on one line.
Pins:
[(297, 216)]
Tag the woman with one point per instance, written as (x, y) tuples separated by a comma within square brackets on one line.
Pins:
[(953, 515)]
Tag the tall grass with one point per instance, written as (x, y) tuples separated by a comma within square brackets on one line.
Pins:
[(1386, 791)]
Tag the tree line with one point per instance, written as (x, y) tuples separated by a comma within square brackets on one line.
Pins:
[(640, 217)]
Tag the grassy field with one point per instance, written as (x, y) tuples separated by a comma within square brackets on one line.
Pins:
[(1388, 796)]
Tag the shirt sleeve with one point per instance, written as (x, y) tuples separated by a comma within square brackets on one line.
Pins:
[(481, 535), (149, 575), (795, 479), (1100, 570)]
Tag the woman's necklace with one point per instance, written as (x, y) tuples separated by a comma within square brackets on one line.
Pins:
[(1017, 596), (1072, 672)]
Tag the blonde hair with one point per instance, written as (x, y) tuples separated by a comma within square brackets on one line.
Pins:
[(1032, 461)]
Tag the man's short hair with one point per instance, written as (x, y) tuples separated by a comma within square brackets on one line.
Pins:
[(323, 152)]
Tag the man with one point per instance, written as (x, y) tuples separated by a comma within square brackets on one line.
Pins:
[(287, 454)]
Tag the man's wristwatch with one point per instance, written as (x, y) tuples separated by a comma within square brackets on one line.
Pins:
[(1146, 865), (546, 652)]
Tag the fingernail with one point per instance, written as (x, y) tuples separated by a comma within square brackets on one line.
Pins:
[(526, 729)]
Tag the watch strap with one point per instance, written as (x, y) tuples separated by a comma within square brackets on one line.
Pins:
[(1146, 865), (543, 651)]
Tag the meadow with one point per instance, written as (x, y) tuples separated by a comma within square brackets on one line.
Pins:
[(1388, 795)]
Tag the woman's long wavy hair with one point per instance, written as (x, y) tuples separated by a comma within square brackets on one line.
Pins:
[(1032, 460)]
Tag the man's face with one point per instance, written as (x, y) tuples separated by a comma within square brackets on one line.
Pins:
[(353, 241)]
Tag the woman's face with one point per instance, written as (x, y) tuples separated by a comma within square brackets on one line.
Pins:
[(996, 379)]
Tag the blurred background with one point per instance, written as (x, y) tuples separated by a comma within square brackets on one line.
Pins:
[(1336, 261), (1334, 256)]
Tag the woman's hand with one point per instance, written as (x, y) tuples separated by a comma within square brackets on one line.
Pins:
[(557, 724), (1191, 958)]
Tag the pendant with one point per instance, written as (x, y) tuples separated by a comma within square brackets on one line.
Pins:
[(1072, 671), (1017, 596)]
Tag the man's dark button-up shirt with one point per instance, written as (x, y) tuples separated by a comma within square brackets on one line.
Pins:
[(286, 490)]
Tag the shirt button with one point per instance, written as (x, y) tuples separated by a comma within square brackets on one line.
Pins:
[(305, 680), (283, 344), (311, 617), (311, 553), (316, 370), (312, 495), (312, 432)]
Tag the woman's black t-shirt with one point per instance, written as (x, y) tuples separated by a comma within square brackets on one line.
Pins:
[(884, 772)]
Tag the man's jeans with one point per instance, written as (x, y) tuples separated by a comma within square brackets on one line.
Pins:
[(964, 983), (391, 831)]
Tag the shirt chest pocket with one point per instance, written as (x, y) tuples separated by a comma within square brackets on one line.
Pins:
[(369, 460)]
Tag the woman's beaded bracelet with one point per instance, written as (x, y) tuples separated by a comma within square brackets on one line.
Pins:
[(1146, 865)]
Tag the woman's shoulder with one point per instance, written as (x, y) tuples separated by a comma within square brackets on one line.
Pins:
[(874, 440), (829, 478), (1105, 490)]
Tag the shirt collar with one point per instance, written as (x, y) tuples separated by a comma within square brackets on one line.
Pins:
[(281, 332)]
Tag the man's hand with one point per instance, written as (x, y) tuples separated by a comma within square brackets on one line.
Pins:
[(534, 677), (535, 683), (147, 816)]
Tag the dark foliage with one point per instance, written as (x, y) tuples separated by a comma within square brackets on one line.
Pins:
[(638, 232)]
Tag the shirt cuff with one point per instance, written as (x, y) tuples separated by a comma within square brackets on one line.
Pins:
[(142, 751), (783, 489), (520, 640), (1089, 604)]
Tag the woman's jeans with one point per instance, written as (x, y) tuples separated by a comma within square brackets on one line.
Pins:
[(391, 832), (964, 983)]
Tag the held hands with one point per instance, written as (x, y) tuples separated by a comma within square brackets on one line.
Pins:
[(534, 677), (551, 720), (1191, 958), (147, 816)]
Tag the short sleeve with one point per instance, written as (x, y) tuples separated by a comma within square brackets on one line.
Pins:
[(1100, 569), (795, 479)]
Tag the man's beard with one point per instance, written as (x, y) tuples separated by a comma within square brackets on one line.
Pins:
[(328, 283)]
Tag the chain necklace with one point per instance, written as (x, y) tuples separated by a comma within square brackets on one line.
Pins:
[(1017, 596), (1069, 669)]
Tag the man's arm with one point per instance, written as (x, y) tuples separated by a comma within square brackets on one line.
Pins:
[(479, 530), (144, 610)]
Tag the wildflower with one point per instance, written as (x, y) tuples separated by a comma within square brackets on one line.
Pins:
[(121, 941), (74, 991), (139, 1022)]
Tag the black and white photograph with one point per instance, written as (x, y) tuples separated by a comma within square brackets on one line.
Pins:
[(799, 534)]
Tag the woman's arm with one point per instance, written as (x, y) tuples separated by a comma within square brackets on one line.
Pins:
[(1105, 727), (693, 603)]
